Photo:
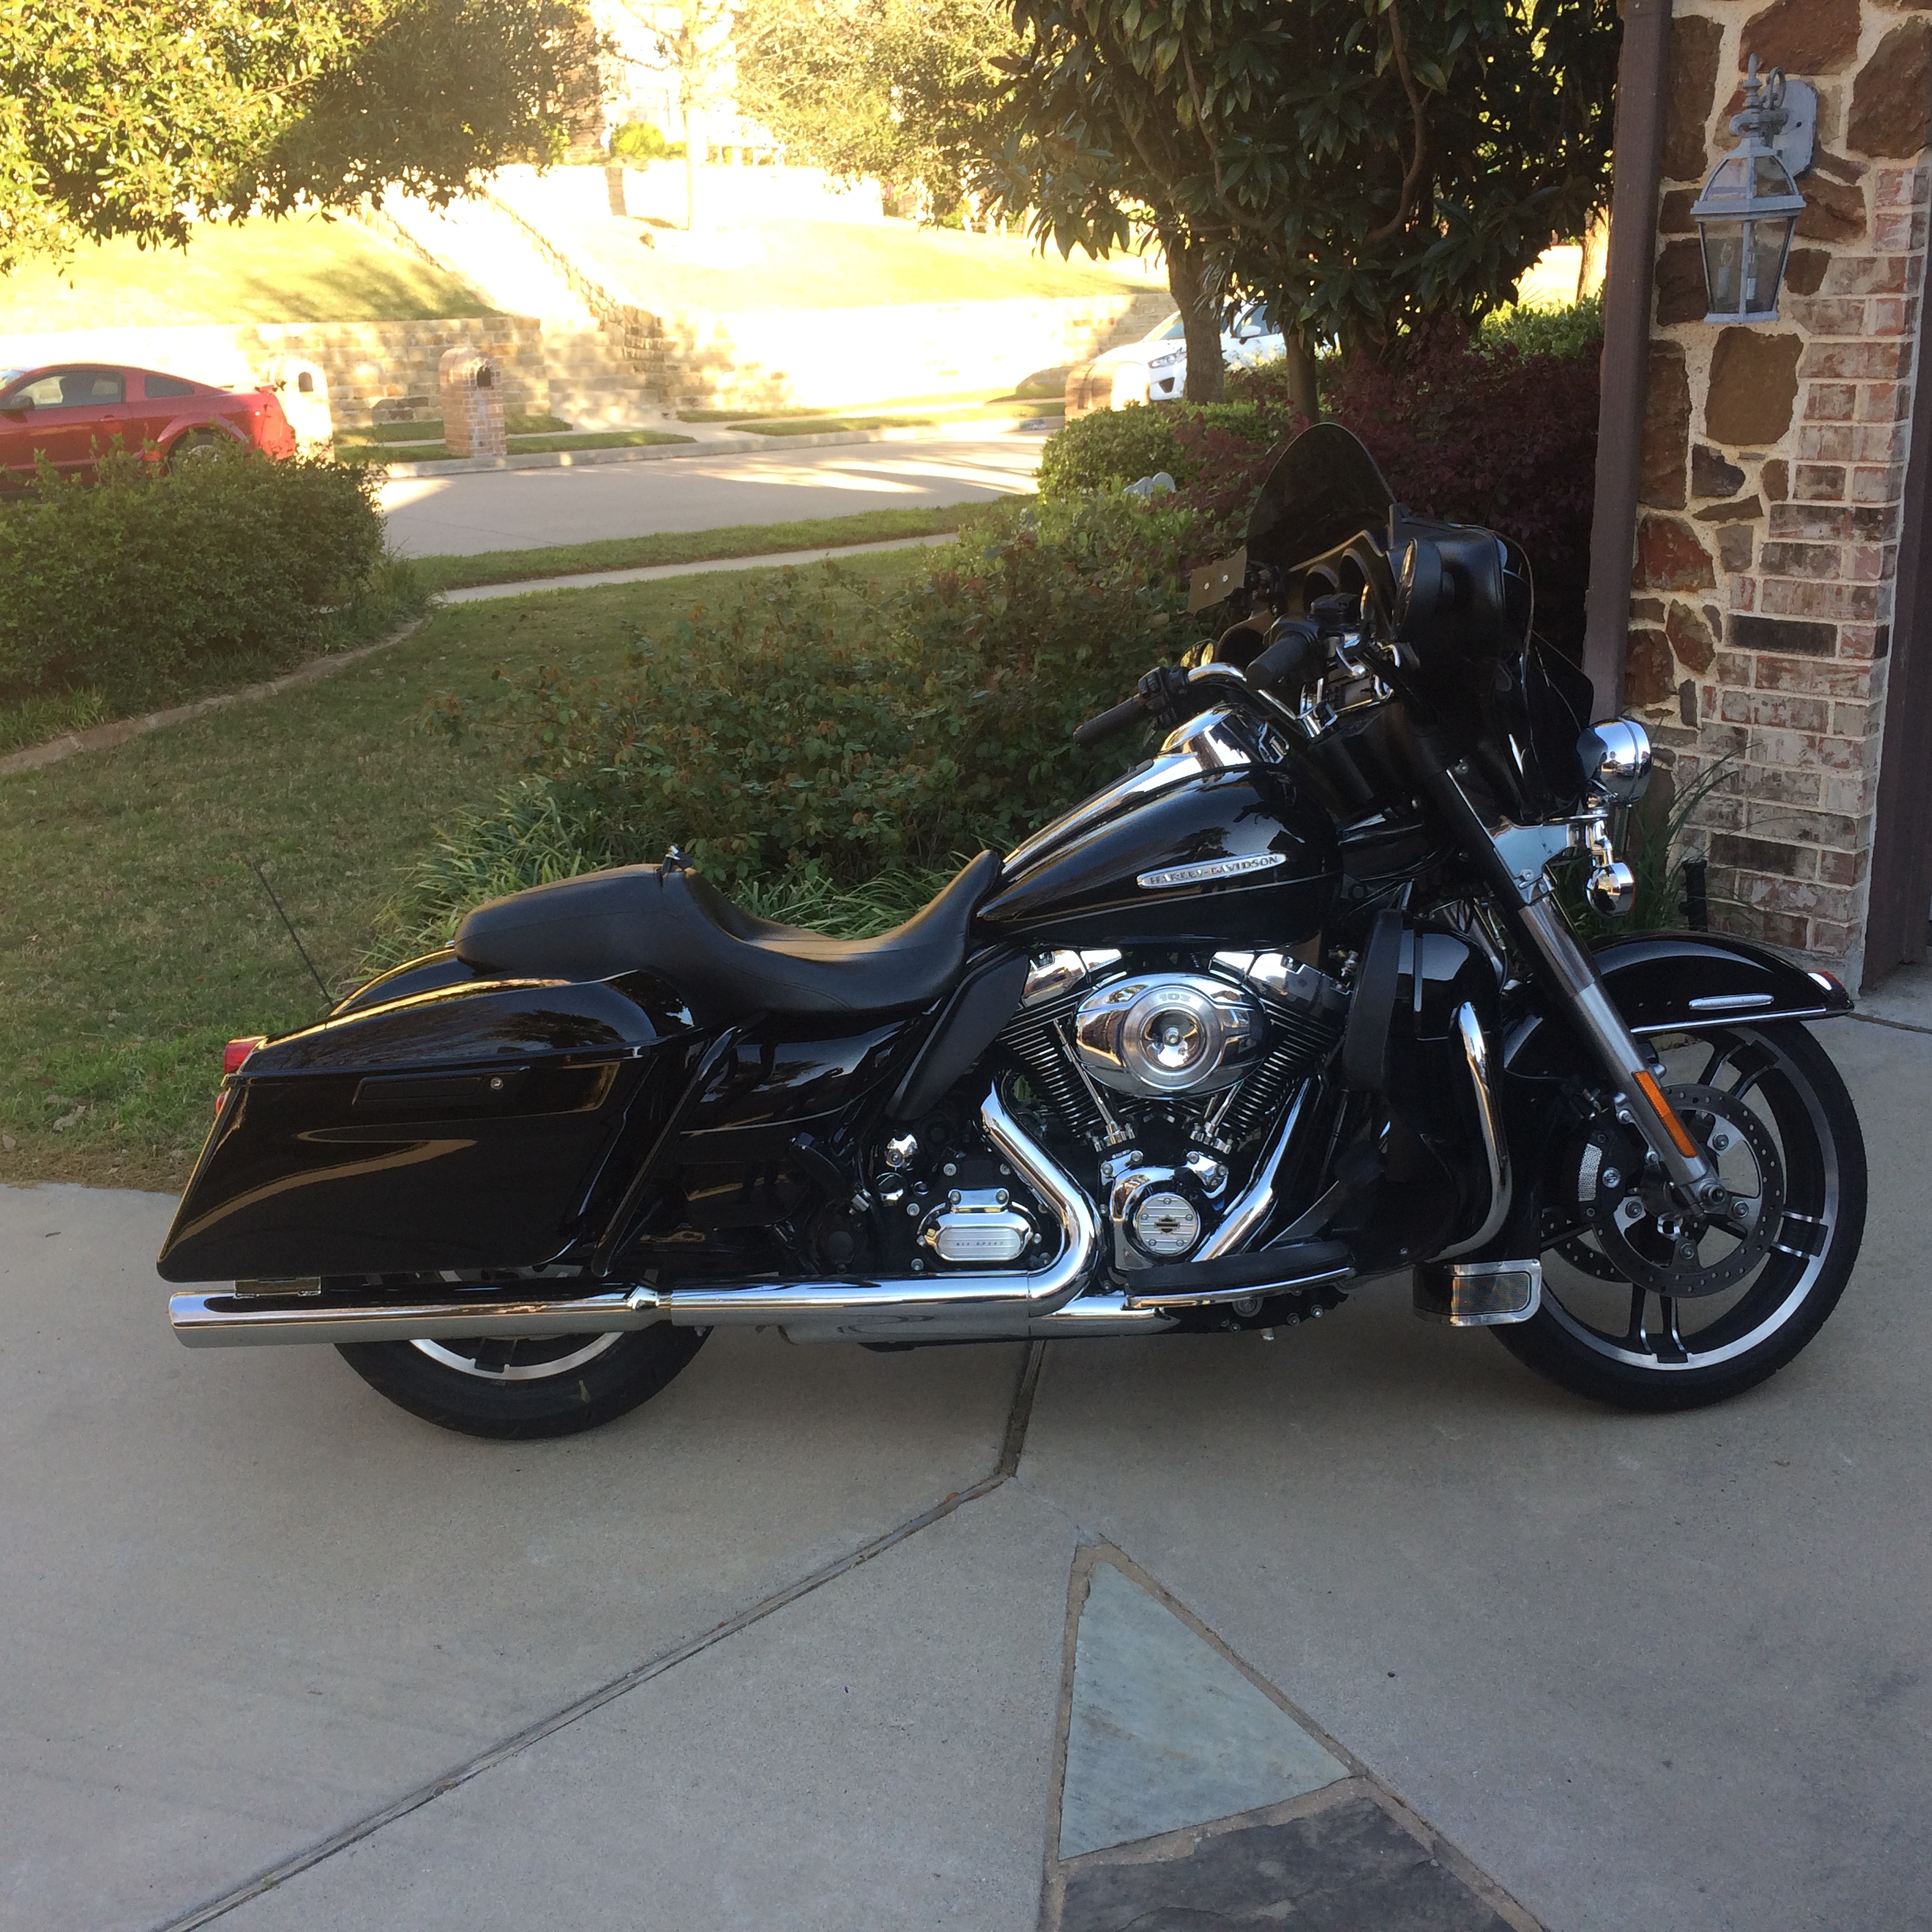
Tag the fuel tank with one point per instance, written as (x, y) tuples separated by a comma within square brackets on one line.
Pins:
[(1223, 858)]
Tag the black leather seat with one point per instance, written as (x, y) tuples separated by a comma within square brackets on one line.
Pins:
[(725, 962)]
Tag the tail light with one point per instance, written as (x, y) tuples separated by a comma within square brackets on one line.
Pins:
[(234, 1056), (238, 1050)]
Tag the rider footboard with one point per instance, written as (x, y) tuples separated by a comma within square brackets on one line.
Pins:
[(476, 1128)]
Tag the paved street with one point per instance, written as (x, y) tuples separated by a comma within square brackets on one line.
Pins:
[(1368, 1603), (524, 509)]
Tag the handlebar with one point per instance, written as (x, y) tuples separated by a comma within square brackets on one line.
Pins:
[(1163, 694), (1123, 716)]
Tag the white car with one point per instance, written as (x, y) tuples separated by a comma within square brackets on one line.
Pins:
[(1154, 368)]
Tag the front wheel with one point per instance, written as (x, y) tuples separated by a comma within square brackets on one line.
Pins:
[(535, 1386), (1646, 1308)]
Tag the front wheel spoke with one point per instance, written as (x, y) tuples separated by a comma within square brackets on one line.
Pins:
[(1670, 1346), (1633, 1336)]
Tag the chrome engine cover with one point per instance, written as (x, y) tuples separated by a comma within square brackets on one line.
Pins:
[(1168, 1033), (978, 1227)]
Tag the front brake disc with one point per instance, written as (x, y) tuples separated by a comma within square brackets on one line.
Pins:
[(1653, 1241)]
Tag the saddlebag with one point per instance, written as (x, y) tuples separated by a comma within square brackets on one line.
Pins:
[(477, 1126)]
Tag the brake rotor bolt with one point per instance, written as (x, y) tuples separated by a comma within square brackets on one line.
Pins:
[(1612, 1178), (1719, 1142), (1686, 1251), (951, 1168)]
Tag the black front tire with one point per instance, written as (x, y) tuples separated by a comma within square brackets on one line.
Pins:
[(521, 1391), (1603, 1339)]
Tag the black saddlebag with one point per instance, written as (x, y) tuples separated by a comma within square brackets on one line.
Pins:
[(478, 1126)]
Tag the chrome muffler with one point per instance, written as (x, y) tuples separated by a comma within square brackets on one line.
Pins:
[(955, 1306)]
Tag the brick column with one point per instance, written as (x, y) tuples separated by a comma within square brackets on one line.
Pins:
[(1774, 466)]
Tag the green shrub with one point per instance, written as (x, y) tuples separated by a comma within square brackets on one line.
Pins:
[(1109, 447), (637, 142), (145, 582), (817, 739), (1576, 330)]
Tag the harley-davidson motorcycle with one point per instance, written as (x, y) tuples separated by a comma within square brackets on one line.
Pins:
[(1292, 1005)]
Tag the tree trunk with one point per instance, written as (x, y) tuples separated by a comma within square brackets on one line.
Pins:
[(1200, 316), (694, 147), (1302, 389)]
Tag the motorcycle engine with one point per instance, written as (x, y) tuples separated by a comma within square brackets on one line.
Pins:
[(1167, 1074)]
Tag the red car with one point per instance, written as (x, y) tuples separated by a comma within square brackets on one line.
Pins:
[(72, 412)]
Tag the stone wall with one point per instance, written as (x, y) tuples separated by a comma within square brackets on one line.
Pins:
[(1773, 468), (372, 368)]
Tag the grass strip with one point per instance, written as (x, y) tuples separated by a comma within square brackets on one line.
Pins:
[(738, 540), (133, 939), (520, 446)]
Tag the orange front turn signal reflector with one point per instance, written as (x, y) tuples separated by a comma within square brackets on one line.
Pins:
[(1666, 1113)]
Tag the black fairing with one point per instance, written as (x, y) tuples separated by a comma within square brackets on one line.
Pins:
[(478, 1127), (1088, 891)]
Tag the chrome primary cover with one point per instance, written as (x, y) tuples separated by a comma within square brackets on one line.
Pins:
[(1174, 1033)]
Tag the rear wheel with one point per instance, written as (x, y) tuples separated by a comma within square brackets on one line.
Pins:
[(1648, 1309), (534, 1386), (197, 446)]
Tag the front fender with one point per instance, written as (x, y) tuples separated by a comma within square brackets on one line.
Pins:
[(1661, 982)]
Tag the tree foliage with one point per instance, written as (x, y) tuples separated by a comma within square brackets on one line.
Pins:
[(899, 90), (139, 117), (1365, 164)]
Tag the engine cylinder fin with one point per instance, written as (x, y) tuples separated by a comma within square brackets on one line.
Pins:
[(1038, 1043)]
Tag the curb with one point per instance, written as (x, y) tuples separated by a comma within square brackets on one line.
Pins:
[(696, 446)]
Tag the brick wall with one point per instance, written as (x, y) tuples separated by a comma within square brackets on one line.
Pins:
[(1774, 464)]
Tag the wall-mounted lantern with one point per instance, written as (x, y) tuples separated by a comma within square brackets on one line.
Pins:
[(1751, 205)]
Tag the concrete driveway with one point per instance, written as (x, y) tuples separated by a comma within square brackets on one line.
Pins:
[(1365, 1629), (525, 509)]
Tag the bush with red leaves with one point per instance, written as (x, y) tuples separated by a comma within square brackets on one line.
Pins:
[(1476, 434)]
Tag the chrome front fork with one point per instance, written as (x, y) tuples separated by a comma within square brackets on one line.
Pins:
[(1574, 973)]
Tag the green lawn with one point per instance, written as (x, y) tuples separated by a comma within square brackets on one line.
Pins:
[(737, 539), (133, 941), (301, 270)]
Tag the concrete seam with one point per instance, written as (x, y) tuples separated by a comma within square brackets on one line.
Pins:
[(1012, 1442), (1897, 1026)]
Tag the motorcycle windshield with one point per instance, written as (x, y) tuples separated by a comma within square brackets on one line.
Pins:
[(1324, 489)]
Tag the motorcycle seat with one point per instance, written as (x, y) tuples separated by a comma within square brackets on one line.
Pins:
[(725, 962)]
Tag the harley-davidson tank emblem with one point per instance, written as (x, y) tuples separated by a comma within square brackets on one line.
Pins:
[(1204, 870)]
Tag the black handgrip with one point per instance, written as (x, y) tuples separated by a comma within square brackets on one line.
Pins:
[(1124, 717)]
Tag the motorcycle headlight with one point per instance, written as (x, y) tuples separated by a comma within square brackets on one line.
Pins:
[(1615, 757)]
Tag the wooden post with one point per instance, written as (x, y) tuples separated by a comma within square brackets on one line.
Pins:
[(1642, 84)]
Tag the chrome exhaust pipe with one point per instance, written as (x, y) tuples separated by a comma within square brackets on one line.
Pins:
[(915, 1307), (231, 1320), (926, 1306)]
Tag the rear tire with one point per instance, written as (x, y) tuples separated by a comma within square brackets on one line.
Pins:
[(520, 1391), (1598, 1335)]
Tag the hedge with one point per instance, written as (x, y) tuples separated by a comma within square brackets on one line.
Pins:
[(1499, 431), (144, 583), (815, 734)]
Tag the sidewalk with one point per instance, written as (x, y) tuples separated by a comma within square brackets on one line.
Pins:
[(1364, 1629)]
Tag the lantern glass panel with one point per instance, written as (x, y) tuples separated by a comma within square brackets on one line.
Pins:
[(1768, 239), (1724, 266)]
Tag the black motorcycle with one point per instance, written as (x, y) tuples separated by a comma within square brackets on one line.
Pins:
[(1293, 1004)]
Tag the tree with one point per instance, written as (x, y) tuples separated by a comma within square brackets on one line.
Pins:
[(1364, 165), (693, 37), (142, 118), (895, 89)]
